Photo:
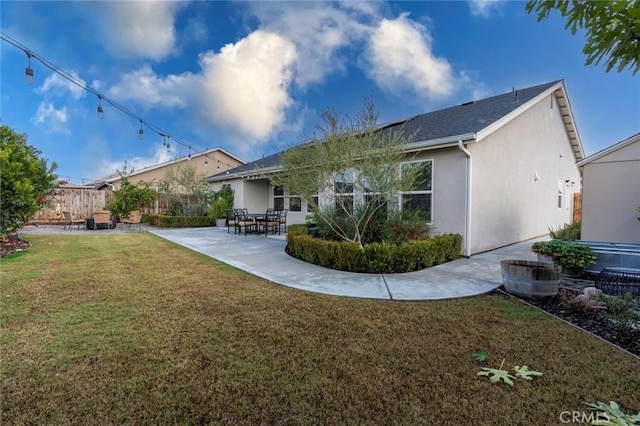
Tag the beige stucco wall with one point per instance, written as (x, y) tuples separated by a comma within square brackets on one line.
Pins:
[(611, 194), (509, 203), (156, 174)]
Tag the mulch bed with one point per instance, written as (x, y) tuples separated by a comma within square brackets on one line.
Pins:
[(12, 245), (595, 322)]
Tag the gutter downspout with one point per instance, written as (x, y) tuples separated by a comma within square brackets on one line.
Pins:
[(467, 217)]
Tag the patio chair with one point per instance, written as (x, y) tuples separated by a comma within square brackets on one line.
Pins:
[(283, 220), (102, 218), (69, 221), (271, 220), (242, 219), (134, 218), (230, 220)]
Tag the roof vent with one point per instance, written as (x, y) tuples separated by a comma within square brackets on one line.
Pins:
[(468, 103)]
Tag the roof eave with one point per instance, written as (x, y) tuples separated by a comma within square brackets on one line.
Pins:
[(560, 93), (610, 149)]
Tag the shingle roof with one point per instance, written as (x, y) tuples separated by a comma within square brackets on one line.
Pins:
[(468, 118)]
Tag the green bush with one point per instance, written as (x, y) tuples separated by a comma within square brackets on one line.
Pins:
[(376, 257), (166, 221), (566, 253), (570, 231)]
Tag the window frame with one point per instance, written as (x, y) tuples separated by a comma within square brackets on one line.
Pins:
[(420, 191)]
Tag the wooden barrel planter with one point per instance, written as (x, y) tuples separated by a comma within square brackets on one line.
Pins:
[(531, 279)]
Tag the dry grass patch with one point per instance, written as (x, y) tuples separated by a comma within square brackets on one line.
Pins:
[(133, 329)]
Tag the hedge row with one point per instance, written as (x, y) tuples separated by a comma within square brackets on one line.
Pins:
[(166, 221), (377, 257)]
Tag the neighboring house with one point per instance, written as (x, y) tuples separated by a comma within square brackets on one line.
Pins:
[(503, 169), (207, 162), (611, 193)]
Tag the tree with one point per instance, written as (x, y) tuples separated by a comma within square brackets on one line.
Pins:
[(130, 197), (613, 28), (24, 177), (354, 163), (188, 188)]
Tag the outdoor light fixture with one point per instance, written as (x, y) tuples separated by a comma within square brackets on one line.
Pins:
[(100, 110), (141, 132), (28, 72), (206, 163), (189, 156)]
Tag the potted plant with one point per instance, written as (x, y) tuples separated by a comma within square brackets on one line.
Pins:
[(572, 257), (222, 201)]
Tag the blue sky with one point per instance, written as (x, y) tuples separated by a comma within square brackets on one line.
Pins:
[(250, 77)]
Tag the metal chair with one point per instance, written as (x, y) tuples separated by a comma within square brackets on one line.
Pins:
[(283, 220), (242, 218), (271, 220)]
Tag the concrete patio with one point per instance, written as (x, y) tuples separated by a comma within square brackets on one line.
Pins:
[(266, 258)]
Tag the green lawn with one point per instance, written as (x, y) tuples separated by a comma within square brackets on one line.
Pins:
[(133, 329)]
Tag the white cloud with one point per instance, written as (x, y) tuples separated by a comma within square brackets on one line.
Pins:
[(400, 58), (139, 28), (246, 84), (145, 86), (108, 167), (319, 31), (58, 85), (52, 119), (484, 8)]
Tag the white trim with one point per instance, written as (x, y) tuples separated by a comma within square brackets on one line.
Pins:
[(516, 112), (428, 191), (609, 150)]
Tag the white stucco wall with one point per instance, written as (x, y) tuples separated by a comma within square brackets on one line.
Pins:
[(448, 196), (516, 171), (610, 196)]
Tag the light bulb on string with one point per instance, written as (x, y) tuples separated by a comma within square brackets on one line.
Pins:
[(141, 132), (28, 72), (100, 110)]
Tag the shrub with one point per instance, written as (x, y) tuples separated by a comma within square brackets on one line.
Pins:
[(376, 257), (25, 180), (566, 253), (166, 221), (570, 231)]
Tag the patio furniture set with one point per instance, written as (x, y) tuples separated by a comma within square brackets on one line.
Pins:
[(256, 223), (101, 220)]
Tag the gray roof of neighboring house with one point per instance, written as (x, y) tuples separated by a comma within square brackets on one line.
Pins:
[(468, 118)]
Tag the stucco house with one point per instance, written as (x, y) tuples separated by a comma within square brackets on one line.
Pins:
[(206, 162), (611, 193), (503, 169)]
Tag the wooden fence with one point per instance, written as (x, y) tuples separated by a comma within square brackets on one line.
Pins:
[(577, 207), (82, 202)]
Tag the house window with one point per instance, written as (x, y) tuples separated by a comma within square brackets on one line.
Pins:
[(421, 194), (278, 197), (295, 204), (343, 187)]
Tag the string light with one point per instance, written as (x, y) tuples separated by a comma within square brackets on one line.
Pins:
[(100, 110), (28, 72), (29, 79)]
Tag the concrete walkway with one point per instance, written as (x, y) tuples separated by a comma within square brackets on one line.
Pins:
[(265, 257)]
